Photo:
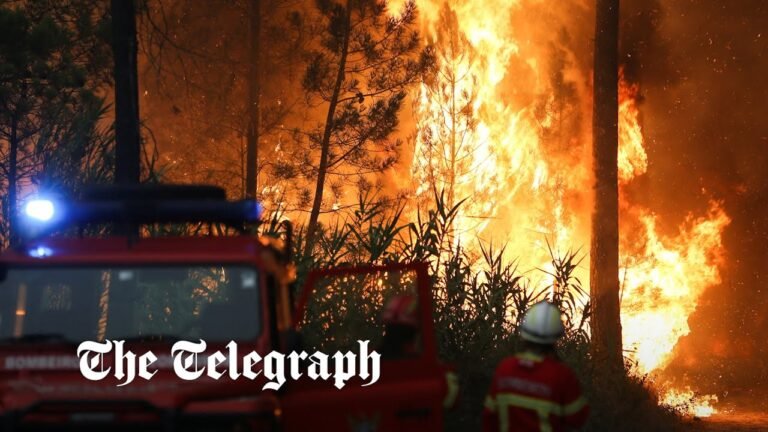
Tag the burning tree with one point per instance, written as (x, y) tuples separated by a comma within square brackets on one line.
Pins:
[(558, 112), (447, 122), (358, 72)]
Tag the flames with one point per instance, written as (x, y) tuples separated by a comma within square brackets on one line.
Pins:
[(662, 279), (688, 402), (477, 144), (505, 123), (632, 159)]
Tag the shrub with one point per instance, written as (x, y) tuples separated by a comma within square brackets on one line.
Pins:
[(479, 298)]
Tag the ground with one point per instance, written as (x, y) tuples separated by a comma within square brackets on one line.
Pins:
[(739, 411)]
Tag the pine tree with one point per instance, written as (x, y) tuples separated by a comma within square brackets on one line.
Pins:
[(219, 89), (604, 255), (447, 123), (359, 72), (53, 59)]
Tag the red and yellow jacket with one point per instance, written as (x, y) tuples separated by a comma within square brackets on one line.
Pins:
[(534, 393)]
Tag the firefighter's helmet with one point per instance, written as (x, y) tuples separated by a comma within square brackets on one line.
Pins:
[(542, 324), (401, 310)]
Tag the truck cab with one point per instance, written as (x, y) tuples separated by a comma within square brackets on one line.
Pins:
[(97, 270)]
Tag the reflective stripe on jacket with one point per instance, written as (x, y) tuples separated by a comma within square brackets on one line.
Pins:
[(534, 393), (452, 390)]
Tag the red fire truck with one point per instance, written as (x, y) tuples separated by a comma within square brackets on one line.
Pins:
[(72, 279)]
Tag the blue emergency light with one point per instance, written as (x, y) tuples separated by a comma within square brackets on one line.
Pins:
[(127, 207), (41, 210), (136, 205), (39, 251)]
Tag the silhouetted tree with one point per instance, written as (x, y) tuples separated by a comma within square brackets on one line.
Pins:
[(604, 257), (124, 51), (53, 57), (254, 97), (201, 91), (364, 60)]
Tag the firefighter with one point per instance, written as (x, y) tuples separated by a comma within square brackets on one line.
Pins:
[(533, 390), (401, 339)]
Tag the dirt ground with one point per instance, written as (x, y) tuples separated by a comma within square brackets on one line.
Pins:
[(743, 411)]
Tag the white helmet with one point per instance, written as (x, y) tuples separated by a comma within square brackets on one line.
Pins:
[(542, 324)]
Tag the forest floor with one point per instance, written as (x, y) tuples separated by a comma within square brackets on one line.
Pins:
[(739, 411)]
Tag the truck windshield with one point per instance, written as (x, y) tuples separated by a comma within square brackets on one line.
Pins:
[(213, 303)]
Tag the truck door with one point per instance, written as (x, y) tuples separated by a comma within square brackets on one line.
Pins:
[(340, 307)]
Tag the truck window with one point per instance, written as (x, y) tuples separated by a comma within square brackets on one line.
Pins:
[(342, 309), (213, 303)]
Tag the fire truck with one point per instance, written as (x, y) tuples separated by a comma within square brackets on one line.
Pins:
[(154, 265)]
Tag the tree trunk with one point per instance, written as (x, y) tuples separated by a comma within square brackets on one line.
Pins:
[(254, 98), (12, 180), (453, 146), (124, 48), (604, 262), (326, 143)]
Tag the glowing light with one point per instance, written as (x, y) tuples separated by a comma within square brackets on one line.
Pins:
[(40, 252), (253, 210), (40, 209), (688, 403)]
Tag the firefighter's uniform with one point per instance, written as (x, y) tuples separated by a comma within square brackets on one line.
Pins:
[(532, 391)]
